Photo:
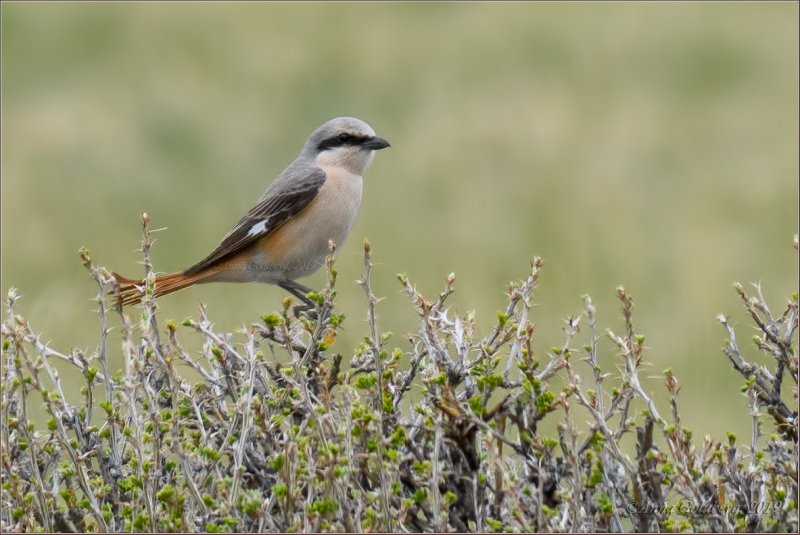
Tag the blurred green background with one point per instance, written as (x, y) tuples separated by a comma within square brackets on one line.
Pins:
[(647, 144)]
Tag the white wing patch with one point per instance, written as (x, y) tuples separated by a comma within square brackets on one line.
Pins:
[(258, 228)]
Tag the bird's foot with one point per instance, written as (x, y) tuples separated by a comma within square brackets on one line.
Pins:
[(312, 312), (309, 311)]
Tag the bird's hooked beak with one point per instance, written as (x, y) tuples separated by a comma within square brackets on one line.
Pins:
[(375, 143)]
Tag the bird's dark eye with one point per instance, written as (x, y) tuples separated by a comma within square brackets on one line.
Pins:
[(345, 137)]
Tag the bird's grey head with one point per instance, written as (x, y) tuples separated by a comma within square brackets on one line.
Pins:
[(344, 142)]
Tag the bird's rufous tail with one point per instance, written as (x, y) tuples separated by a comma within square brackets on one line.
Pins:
[(131, 290)]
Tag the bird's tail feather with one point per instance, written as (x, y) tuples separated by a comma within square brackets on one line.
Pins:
[(131, 291)]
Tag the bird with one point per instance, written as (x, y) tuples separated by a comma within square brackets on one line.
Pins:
[(286, 235)]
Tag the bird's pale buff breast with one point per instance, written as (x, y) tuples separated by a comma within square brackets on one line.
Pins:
[(299, 247)]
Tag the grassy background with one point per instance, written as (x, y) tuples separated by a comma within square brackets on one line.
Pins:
[(653, 145)]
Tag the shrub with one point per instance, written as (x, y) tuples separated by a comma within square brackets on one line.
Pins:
[(278, 432)]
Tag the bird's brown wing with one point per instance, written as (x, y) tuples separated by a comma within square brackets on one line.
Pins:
[(272, 211)]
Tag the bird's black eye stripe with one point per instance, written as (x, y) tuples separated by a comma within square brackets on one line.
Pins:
[(340, 140)]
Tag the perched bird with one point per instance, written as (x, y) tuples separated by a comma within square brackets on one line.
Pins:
[(285, 236)]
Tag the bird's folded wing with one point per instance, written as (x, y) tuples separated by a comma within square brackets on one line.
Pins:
[(275, 209)]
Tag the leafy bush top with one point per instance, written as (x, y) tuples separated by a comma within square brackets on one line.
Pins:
[(279, 432)]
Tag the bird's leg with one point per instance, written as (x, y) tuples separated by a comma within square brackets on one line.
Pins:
[(301, 292), (298, 290)]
